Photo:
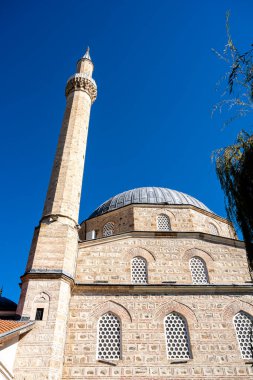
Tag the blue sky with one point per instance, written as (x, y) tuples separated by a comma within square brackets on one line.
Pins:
[(151, 124)]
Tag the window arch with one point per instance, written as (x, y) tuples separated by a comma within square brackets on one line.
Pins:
[(198, 271), (109, 337), (213, 229), (163, 223), (177, 337), (108, 229), (139, 273), (243, 323)]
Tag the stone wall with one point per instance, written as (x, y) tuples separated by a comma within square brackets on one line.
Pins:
[(214, 346), (144, 218), (167, 260), (123, 220), (40, 352)]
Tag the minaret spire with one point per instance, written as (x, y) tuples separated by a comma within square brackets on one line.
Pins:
[(87, 54), (85, 65)]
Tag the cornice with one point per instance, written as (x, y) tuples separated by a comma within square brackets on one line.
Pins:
[(44, 274), (165, 235), (131, 289), (166, 289)]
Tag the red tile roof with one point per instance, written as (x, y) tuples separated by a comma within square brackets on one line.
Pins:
[(7, 325)]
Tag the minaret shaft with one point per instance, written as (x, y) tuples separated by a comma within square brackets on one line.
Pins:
[(63, 196)]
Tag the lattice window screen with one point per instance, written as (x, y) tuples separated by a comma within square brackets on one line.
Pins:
[(163, 223), (244, 326), (176, 337), (109, 337), (139, 271), (213, 229), (198, 271), (108, 229)]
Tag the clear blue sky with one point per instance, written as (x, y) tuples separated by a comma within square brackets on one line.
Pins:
[(151, 124)]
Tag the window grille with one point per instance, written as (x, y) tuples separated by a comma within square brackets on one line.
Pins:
[(139, 271), (109, 337), (198, 271), (176, 337), (39, 314), (244, 325), (108, 229), (213, 229), (163, 223)]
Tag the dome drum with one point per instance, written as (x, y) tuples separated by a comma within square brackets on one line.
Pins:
[(139, 210)]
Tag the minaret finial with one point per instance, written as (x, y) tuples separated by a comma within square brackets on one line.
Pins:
[(87, 54)]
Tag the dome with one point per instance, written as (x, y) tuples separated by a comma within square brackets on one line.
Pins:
[(7, 305), (148, 195)]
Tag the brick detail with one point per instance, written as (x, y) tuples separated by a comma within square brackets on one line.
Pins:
[(206, 256), (178, 307), (138, 251), (112, 306), (236, 306)]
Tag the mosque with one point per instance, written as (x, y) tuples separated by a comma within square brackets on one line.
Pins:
[(152, 285)]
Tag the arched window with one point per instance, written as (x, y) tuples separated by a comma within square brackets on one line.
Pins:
[(139, 270), (177, 339), (40, 307), (108, 229), (109, 337), (163, 223), (244, 327), (198, 271), (213, 229)]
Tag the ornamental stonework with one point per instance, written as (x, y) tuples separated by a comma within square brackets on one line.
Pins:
[(82, 82)]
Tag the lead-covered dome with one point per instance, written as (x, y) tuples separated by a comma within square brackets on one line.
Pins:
[(7, 305), (148, 195)]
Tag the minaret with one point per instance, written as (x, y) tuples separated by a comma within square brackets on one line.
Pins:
[(63, 197), (49, 274)]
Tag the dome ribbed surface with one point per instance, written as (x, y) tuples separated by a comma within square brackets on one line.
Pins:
[(148, 195)]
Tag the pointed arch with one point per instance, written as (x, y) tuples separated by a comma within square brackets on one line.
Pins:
[(206, 256), (42, 297), (213, 228), (177, 307), (235, 307), (141, 252), (113, 307)]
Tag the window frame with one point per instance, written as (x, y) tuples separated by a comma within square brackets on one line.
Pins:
[(168, 221), (187, 336), (113, 229), (98, 336), (250, 317), (205, 270), (146, 267)]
